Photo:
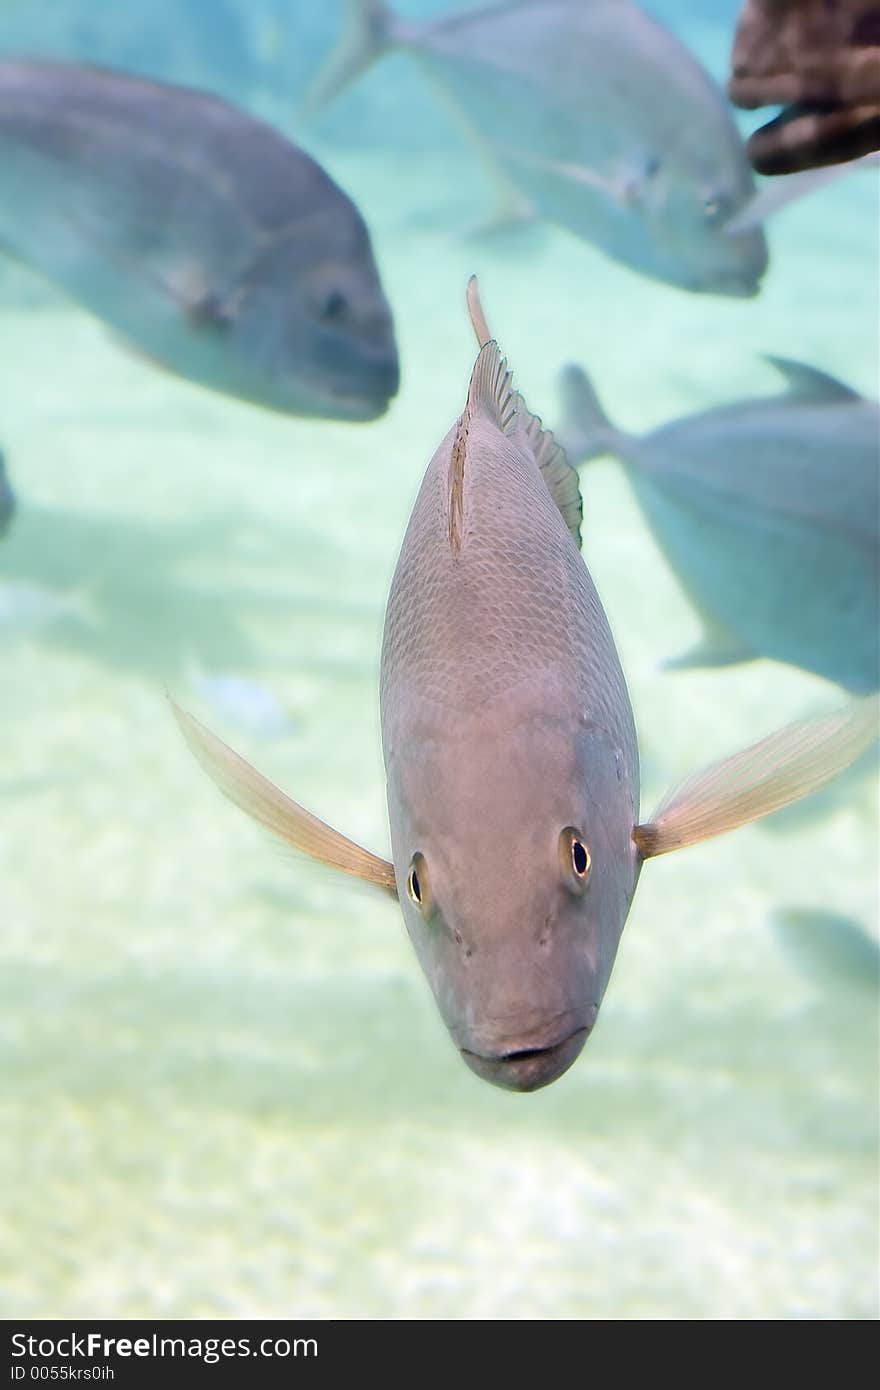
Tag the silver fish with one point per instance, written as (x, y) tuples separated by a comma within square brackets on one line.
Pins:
[(768, 512), (210, 242), (831, 949), (510, 751), (7, 498), (596, 118)]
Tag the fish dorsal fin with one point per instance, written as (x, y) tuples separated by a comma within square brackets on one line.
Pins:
[(490, 393), (561, 478), (809, 383)]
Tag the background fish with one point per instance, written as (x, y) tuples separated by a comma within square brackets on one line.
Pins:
[(510, 751), (7, 498), (821, 63), (596, 117), (209, 241), (834, 950), (767, 511)]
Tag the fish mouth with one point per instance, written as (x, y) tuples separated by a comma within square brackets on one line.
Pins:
[(528, 1068), (362, 393), (342, 405), (351, 407), (733, 284)]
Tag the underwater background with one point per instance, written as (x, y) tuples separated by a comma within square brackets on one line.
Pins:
[(226, 1088)]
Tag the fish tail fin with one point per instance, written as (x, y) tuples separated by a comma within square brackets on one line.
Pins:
[(587, 433), (780, 769), (370, 30)]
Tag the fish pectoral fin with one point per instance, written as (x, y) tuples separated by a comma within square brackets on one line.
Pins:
[(780, 769), (268, 805)]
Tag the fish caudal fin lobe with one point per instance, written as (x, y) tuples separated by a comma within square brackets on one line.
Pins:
[(370, 31), (265, 803), (780, 769), (587, 432), (561, 479)]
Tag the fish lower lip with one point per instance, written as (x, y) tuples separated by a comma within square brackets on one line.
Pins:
[(358, 407), (528, 1069)]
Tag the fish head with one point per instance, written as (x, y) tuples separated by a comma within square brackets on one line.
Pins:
[(685, 212), (315, 324), (515, 870)]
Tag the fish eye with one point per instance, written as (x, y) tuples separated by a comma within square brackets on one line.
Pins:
[(714, 206), (333, 306), (417, 888), (575, 859)]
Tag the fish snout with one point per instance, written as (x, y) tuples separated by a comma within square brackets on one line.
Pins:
[(362, 386), (532, 1061)]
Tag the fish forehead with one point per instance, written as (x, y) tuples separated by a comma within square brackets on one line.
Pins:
[(523, 752), (486, 801)]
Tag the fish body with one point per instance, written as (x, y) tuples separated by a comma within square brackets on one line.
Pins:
[(768, 512), (202, 236), (597, 118), (506, 719), (510, 751), (832, 949), (7, 498)]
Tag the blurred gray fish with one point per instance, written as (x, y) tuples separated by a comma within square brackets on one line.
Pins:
[(510, 751), (768, 512), (593, 116), (830, 948), (208, 240), (7, 498)]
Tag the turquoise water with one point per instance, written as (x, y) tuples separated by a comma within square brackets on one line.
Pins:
[(227, 1090)]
